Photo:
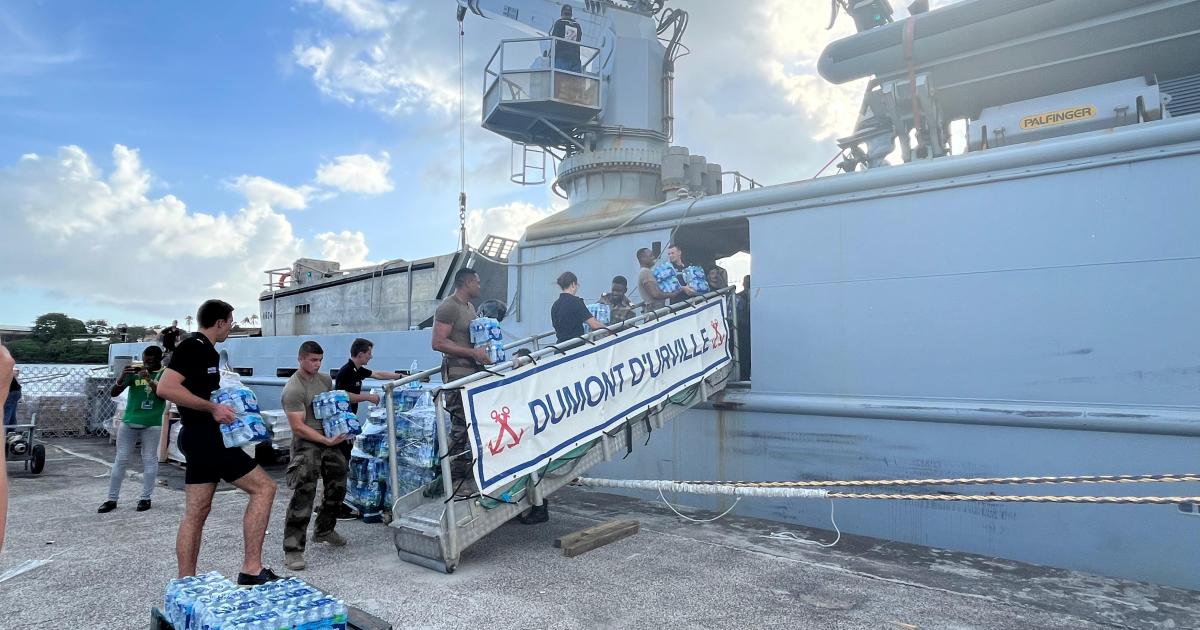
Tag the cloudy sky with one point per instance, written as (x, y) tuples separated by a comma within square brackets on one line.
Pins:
[(157, 153)]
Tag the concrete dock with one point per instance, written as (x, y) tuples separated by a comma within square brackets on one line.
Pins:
[(108, 570)]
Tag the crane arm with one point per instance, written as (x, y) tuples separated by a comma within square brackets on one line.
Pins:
[(535, 17)]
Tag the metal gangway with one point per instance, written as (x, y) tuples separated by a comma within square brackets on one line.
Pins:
[(433, 531)]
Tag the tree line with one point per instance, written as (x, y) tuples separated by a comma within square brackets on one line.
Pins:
[(59, 338)]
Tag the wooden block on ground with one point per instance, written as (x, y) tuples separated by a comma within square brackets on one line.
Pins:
[(585, 540)]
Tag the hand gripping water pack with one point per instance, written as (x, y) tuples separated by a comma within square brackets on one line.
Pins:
[(665, 276), (696, 280), (601, 312), (248, 426), (333, 410), (485, 329), (495, 352)]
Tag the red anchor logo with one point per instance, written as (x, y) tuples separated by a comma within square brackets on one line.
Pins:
[(501, 417), (718, 336)]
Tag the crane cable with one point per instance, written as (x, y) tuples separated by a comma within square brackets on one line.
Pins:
[(462, 140)]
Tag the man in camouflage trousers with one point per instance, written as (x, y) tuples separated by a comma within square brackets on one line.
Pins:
[(314, 456)]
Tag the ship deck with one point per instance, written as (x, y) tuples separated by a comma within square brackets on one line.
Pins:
[(107, 571)]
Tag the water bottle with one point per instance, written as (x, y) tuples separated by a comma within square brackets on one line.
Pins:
[(341, 616), (413, 370)]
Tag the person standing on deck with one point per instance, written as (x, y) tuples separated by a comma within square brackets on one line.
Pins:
[(652, 298), (170, 338), (717, 278), (569, 313), (188, 382), (142, 422), (566, 55), (617, 300), (350, 380), (452, 338), (743, 329), (314, 457), (675, 257)]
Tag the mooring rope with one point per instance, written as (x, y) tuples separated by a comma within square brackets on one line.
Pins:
[(1166, 478), (773, 490), (680, 486)]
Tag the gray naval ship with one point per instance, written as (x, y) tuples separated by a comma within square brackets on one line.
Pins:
[(1024, 305)]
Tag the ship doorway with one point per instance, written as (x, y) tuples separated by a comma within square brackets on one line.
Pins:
[(725, 246)]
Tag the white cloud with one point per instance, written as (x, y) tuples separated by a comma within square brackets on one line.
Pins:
[(747, 94), (263, 191), (359, 173), (362, 14), (509, 221), (391, 58), (346, 247), (71, 230)]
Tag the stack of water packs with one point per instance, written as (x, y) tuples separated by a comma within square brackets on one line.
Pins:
[(486, 333), (667, 278), (212, 602), (247, 426), (416, 449), (333, 410)]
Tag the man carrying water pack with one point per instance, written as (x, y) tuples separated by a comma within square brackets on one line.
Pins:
[(188, 382), (452, 337), (314, 457)]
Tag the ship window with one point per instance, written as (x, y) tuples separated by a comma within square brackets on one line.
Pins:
[(302, 309), (285, 372), (244, 371)]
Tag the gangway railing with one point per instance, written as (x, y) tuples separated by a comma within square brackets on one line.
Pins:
[(432, 531)]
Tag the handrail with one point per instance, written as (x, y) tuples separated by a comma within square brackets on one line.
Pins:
[(576, 342), (583, 62), (443, 429)]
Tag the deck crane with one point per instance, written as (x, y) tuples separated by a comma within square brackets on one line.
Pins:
[(614, 116)]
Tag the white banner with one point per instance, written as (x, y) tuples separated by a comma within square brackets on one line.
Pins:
[(537, 413)]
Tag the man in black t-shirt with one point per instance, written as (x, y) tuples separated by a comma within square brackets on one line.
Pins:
[(350, 379), (569, 312), (188, 382), (566, 56)]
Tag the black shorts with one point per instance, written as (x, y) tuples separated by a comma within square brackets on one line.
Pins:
[(208, 461)]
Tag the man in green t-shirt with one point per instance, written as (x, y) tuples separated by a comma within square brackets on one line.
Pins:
[(142, 422)]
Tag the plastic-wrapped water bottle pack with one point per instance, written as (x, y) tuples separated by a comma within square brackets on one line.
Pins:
[(248, 426), (486, 333), (602, 312), (366, 497), (695, 278), (333, 410), (403, 399), (212, 602), (485, 329), (667, 278), (367, 478)]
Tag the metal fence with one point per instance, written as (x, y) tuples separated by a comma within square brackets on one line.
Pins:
[(69, 400)]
